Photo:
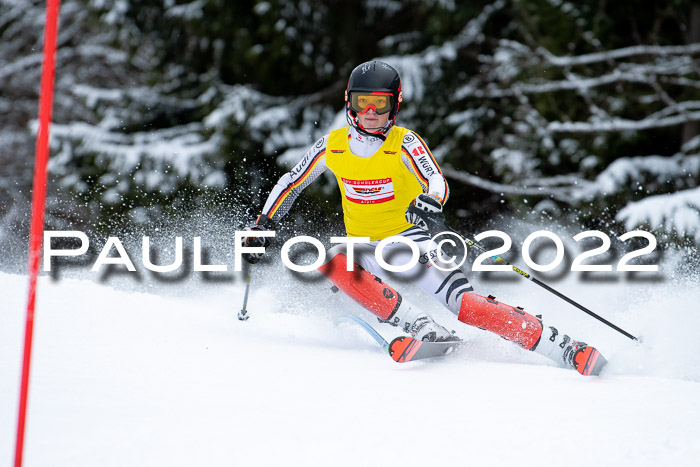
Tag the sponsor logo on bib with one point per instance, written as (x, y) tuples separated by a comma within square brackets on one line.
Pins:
[(369, 191)]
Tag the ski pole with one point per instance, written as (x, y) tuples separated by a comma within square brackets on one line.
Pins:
[(243, 314), (531, 278)]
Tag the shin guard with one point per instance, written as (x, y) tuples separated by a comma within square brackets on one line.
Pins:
[(362, 286), (511, 323)]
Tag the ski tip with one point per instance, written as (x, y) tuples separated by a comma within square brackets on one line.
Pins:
[(589, 362), (403, 348)]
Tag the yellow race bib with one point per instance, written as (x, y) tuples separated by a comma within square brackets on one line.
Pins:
[(376, 190)]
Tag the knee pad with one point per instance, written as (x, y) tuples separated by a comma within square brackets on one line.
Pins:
[(362, 286), (509, 322)]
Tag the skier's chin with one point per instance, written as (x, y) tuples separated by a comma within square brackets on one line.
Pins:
[(372, 129)]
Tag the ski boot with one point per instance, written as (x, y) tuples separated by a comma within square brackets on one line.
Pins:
[(383, 300), (424, 328), (570, 353), (420, 325)]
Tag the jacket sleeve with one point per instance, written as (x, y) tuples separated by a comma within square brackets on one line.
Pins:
[(291, 184), (420, 161)]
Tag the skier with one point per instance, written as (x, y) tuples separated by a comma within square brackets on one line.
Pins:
[(391, 185)]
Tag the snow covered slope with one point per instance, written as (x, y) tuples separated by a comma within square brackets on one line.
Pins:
[(124, 378)]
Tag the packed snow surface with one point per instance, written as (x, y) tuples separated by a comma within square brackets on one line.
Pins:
[(169, 377)]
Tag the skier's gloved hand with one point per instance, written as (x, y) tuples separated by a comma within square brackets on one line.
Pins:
[(426, 212), (262, 223)]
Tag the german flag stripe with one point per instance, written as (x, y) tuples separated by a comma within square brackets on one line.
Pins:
[(415, 167), (430, 154), (280, 199)]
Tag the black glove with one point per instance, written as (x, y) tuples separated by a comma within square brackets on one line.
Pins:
[(426, 212), (263, 223)]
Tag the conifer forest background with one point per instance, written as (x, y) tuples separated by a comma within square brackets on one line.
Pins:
[(571, 113)]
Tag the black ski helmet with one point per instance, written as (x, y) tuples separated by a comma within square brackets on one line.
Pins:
[(374, 76)]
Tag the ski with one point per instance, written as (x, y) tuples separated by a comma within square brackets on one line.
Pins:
[(404, 348), (407, 349), (590, 362), (367, 327)]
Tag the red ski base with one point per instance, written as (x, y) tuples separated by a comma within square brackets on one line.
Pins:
[(405, 349), (589, 362)]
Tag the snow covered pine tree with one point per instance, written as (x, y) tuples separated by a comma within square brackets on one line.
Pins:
[(392, 186)]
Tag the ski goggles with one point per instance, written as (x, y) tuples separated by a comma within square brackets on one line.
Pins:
[(381, 102)]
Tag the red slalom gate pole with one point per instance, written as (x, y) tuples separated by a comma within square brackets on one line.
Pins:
[(36, 232)]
